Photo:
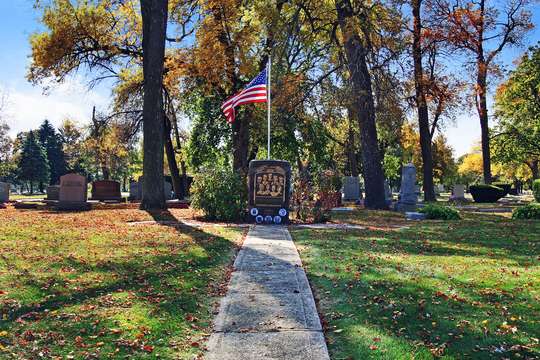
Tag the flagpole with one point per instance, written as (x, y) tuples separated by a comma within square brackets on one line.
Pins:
[(268, 80)]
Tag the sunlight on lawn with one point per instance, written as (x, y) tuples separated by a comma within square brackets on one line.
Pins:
[(89, 285)]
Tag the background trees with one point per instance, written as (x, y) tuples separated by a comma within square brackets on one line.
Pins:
[(33, 165), (346, 77)]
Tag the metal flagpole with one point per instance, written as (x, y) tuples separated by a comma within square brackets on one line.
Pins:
[(268, 80)]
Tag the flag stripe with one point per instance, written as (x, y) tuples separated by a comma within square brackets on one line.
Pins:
[(254, 92)]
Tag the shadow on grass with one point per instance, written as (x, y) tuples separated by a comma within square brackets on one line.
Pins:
[(172, 284), (408, 306)]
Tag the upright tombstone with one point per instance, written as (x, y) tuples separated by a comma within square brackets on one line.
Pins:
[(168, 190), (73, 193), (387, 193), (351, 188), (458, 193), (135, 191), (4, 192), (269, 191), (408, 197), (53, 193), (106, 190)]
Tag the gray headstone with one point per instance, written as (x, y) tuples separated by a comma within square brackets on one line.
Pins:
[(73, 192), (168, 190), (439, 188), (458, 192), (136, 189), (408, 197), (387, 192), (351, 188), (4, 192), (53, 192)]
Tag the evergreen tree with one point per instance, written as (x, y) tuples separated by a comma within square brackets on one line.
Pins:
[(52, 143), (33, 163)]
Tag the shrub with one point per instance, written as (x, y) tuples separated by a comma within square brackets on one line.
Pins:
[(505, 186), (486, 193), (536, 189), (530, 211), (220, 193), (437, 212)]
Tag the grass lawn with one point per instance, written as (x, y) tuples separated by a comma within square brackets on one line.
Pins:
[(458, 289), (88, 285)]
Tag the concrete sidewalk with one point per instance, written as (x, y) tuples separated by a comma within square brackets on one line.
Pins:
[(269, 311)]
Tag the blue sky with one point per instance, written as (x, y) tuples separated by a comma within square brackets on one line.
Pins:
[(28, 106)]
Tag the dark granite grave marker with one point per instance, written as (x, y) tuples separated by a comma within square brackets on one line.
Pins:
[(106, 190), (4, 192), (53, 193), (269, 195)]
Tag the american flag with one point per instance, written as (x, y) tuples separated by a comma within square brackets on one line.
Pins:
[(254, 92)]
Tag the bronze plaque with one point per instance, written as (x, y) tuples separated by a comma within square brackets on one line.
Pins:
[(269, 186)]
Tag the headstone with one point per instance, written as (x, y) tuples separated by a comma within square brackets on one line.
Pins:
[(135, 190), (439, 188), (73, 192), (458, 193), (269, 191), (4, 192), (168, 190), (351, 188), (53, 193), (408, 197), (104, 190), (387, 193)]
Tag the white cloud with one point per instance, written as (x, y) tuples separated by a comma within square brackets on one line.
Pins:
[(28, 106)]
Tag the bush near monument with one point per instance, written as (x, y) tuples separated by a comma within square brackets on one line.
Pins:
[(437, 212), (220, 194), (530, 211), (536, 190), (482, 193)]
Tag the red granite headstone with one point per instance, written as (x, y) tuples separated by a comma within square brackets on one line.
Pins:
[(106, 190)]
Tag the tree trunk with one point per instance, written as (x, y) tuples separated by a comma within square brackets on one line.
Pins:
[(171, 161), (481, 86), (351, 153), (240, 137), (362, 100), (533, 165), (154, 17), (421, 104), (106, 173)]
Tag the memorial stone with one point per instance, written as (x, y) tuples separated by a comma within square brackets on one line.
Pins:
[(73, 193), (458, 193), (351, 188), (106, 190), (53, 193), (269, 195), (408, 197), (4, 192), (135, 190), (387, 193)]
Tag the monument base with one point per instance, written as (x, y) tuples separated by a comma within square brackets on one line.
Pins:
[(73, 206)]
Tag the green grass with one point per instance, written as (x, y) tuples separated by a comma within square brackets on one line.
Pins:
[(88, 285), (456, 289)]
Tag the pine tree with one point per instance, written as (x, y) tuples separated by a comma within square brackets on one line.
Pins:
[(33, 163), (51, 142)]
